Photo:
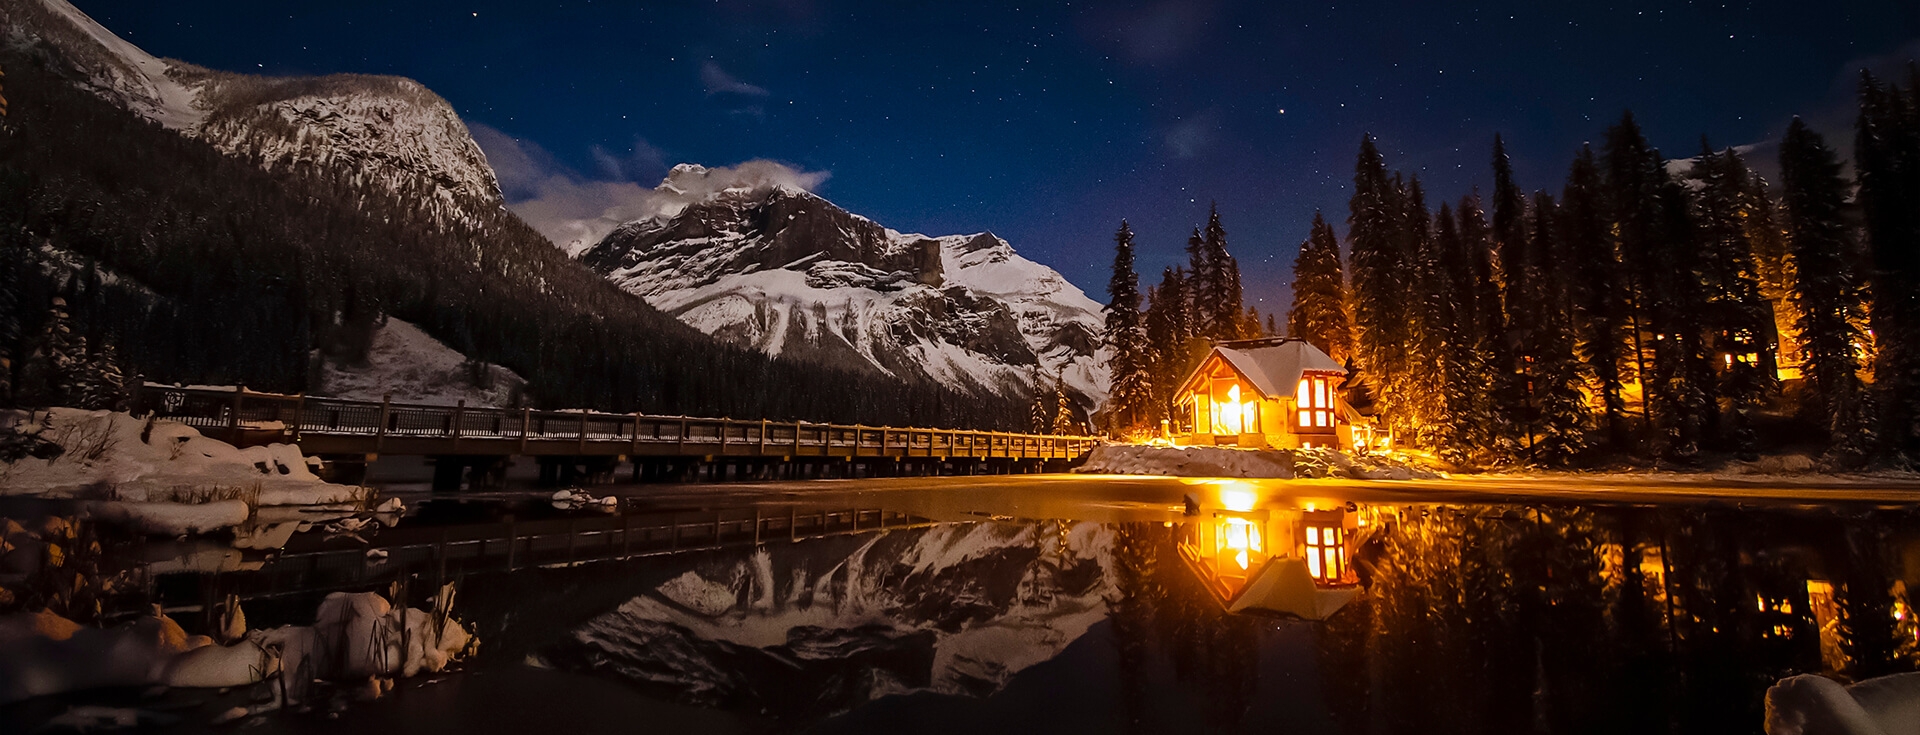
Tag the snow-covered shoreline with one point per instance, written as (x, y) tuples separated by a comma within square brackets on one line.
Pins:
[(162, 477)]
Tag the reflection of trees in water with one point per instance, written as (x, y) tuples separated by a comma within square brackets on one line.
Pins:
[(1567, 620), (1159, 605)]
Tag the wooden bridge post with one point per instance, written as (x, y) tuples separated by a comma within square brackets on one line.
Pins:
[(299, 410), (796, 436), (526, 427), (763, 438), (636, 444), (459, 407), (386, 410), (682, 448), (583, 432), (233, 415)]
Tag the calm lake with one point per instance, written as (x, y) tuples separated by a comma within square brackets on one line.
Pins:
[(1079, 605)]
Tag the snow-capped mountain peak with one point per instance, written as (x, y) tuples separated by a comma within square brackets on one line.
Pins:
[(764, 262), (384, 130)]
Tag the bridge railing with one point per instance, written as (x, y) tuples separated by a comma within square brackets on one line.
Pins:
[(234, 413)]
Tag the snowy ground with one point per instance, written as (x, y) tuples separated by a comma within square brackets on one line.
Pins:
[(416, 368), (162, 477), (1142, 459)]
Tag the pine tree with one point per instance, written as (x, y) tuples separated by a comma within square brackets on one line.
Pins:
[(1519, 301), (1826, 292), (1736, 317), (1202, 286), (65, 355), (1319, 311), (1167, 335), (1045, 401), (1426, 321), (1063, 418), (1466, 429), (1887, 163), (101, 384), (1498, 411), (1559, 431), (1129, 404), (1378, 268), (1596, 291), (1221, 304)]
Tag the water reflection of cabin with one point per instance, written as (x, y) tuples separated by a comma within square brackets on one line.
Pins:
[(1289, 561), (1265, 394)]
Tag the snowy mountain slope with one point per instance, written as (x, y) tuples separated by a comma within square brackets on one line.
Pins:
[(385, 130), (818, 628), (412, 367), (789, 273)]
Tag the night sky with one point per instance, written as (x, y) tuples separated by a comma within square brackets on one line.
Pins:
[(1048, 124)]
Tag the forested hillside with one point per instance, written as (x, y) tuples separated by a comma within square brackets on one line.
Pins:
[(180, 263)]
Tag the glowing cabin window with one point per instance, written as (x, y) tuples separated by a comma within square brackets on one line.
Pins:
[(1239, 540), (1315, 402), (1325, 551), (1233, 415)]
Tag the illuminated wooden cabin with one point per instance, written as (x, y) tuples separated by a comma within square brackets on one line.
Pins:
[(1264, 394)]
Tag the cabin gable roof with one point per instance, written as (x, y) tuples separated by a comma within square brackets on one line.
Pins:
[(1273, 369)]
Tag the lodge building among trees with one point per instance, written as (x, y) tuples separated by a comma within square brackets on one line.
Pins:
[(1263, 394)]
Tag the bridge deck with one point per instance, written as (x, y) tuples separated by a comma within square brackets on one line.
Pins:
[(332, 426)]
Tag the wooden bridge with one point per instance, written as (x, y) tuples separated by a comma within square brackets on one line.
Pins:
[(588, 446)]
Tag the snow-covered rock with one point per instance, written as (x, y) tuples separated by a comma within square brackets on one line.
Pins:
[(162, 477), (385, 130), (786, 272), (414, 367), (1815, 705)]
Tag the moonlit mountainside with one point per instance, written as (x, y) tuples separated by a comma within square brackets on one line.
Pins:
[(774, 267), (389, 131)]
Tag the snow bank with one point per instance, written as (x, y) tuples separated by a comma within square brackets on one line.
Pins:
[(1140, 459), (416, 368), (1815, 705), (355, 637), (160, 476)]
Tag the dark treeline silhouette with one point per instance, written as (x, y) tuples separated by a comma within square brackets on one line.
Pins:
[(199, 267)]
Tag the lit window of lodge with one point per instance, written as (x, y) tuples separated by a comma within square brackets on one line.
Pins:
[(1325, 551), (1315, 402)]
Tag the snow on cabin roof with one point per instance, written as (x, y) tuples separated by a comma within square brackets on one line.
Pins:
[(1275, 370)]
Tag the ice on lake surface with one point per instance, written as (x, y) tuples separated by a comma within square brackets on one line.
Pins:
[(1088, 607)]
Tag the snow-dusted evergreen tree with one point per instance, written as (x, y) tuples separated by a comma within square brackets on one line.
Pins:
[(1492, 348), (65, 352), (1595, 288), (1045, 399), (1426, 405), (1520, 305), (1738, 320), (1559, 430), (1887, 163), (1319, 311), (1130, 400), (1826, 290), (101, 384), (1167, 333), (1202, 282), (1467, 429), (1063, 418), (1378, 267), (1220, 300)]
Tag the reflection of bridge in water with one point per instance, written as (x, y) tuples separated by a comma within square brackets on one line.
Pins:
[(473, 444)]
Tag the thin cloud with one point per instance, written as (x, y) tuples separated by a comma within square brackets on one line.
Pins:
[(718, 81), (1189, 137), (576, 211)]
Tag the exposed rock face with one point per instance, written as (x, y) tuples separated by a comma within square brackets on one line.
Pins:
[(786, 272)]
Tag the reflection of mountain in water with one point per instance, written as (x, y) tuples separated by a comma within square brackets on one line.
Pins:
[(812, 629)]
